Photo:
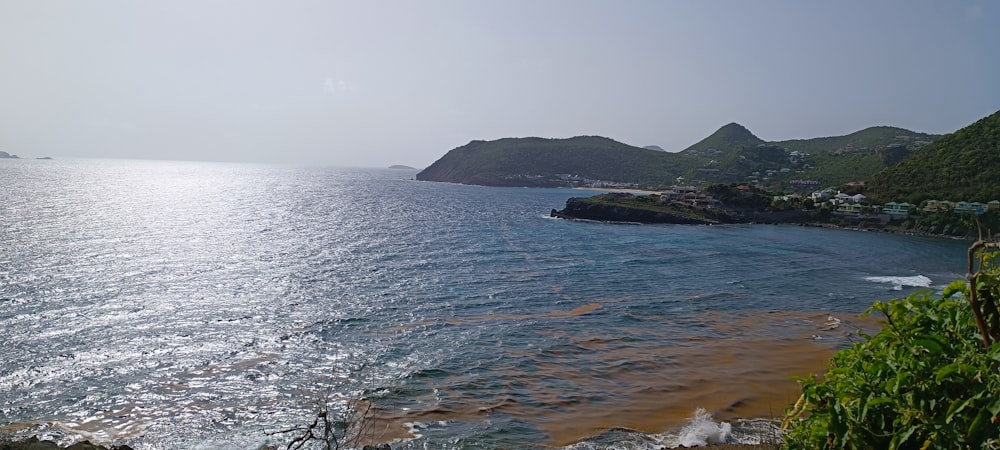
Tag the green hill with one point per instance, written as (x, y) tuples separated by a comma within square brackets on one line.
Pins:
[(533, 161), (734, 154), (730, 137), (962, 166), (860, 141), (731, 154)]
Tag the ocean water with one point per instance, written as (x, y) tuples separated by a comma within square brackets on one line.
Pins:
[(183, 305)]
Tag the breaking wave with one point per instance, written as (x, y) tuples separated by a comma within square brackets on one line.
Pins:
[(899, 282), (700, 431)]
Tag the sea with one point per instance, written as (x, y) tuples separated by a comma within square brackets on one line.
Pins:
[(196, 305)]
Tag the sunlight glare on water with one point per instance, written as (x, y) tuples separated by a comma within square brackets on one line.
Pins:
[(202, 305)]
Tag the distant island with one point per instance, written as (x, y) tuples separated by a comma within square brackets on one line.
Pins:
[(5, 155), (402, 167)]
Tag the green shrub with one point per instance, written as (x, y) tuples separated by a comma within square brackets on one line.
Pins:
[(926, 380)]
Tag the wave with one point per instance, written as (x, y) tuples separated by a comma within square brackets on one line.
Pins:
[(899, 282), (700, 431)]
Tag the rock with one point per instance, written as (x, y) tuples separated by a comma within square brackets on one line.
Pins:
[(382, 446), (33, 443), (622, 207)]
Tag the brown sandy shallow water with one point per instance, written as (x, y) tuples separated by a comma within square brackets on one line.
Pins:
[(740, 366), (734, 365)]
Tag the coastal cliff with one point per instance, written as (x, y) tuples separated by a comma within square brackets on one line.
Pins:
[(620, 207), (652, 209)]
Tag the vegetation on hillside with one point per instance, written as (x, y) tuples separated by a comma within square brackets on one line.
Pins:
[(962, 166), (731, 154), (928, 379), (867, 140), (730, 137), (556, 162), (950, 224), (732, 197), (836, 170), (624, 207)]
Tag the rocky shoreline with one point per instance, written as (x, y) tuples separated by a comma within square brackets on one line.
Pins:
[(34, 444), (629, 208), (620, 207), (621, 211)]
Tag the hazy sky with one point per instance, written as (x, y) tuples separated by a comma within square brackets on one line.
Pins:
[(373, 83)]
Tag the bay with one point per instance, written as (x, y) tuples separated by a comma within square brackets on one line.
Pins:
[(205, 305)]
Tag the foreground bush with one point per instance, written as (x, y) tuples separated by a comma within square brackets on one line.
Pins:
[(926, 380)]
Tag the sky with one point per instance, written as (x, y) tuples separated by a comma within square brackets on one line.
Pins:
[(376, 83)]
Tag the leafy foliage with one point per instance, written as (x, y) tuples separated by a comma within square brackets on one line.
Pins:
[(960, 166), (950, 224), (893, 155), (732, 197), (925, 380), (837, 169)]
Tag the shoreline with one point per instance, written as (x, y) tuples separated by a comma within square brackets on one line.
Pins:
[(632, 213), (621, 190), (33, 443), (885, 230)]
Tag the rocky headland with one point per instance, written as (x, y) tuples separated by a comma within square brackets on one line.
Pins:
[(630, 208)]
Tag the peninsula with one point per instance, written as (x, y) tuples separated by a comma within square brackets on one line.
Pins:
[(685, 206)]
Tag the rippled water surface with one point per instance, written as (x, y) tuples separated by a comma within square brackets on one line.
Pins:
[(203, 305)]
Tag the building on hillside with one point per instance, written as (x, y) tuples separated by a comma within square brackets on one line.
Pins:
[(850, 209), (668, 195), (897, 210), (823, 195), (786, 198), (938, 206), (970, 208)]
